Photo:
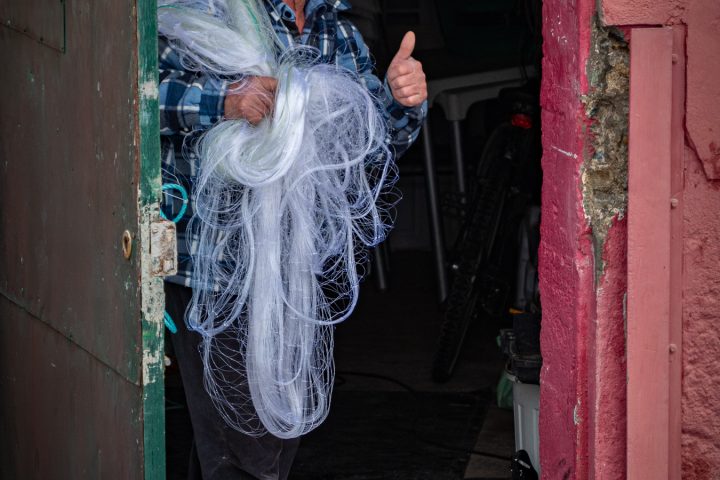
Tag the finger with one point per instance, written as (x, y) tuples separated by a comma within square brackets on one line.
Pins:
[(399, 69), (407, 80), (406, 47), (421, 92), (269, 84), (262, 108), (416, 100), (414, 89), (405, 102), (255, 113), (264, 101), (412, 101), (253, 119), (256, 117), (407, 91)]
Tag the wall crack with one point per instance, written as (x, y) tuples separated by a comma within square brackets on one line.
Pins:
[(604, 172)]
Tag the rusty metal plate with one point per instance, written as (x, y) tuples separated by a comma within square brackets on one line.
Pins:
[(163, 248), (40, 20)]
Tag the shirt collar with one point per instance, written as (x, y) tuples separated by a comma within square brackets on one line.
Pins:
[(311, 7)]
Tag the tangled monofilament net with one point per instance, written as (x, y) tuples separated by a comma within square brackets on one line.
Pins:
[(284, 210)]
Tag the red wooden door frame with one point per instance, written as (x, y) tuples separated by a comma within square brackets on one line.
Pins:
[(654, 305)]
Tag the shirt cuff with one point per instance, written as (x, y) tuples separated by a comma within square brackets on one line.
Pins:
[(212, 102)]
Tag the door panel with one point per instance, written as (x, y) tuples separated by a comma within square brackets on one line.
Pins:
[(64, 414), (40, 20), (80, 331), (69, 165)]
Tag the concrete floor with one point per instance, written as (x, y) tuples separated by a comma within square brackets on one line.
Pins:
[(496, 437), (394, 334)]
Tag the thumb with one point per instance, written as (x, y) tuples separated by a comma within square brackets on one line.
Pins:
[(406, 47)]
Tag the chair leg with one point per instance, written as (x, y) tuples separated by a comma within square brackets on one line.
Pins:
[(459, 162), (380, 271), (436, 230)]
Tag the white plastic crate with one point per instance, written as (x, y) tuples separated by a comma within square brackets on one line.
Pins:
[(526, 406)]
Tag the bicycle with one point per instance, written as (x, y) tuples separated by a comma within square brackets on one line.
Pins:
[(506, 181)]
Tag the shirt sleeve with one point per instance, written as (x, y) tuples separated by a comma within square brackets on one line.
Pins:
[(188, 100), (404, 122)]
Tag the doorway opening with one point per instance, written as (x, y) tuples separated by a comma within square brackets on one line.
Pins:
[(448, 321)]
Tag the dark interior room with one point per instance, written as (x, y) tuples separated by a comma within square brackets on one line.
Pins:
[(447, 325)]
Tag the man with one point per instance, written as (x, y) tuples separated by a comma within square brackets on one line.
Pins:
[(190, 103)]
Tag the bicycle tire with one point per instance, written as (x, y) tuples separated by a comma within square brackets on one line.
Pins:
[(477, 242)]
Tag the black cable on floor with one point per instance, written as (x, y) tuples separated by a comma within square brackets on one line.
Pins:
[(414, 431), (377, 376)]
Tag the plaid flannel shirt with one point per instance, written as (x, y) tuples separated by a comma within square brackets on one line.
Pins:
[(191, 102)]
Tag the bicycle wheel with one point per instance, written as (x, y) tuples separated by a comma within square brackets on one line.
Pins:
[(476, 244)]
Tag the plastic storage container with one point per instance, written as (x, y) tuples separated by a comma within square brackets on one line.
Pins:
[(526, 406)]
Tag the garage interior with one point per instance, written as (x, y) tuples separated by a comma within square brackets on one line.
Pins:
[(81, 302), (407, 404)]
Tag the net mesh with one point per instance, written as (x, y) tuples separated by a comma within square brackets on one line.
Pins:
[(285, 211)]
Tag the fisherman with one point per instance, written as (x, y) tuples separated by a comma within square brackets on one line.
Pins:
[(190, 103)]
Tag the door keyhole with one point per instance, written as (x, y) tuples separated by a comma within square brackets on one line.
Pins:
[(127, 244)]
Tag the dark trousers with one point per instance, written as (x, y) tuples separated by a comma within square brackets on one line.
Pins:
[(219, 452)]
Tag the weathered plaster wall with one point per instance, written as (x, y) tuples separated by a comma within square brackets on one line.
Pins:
[(584, 236), (702, 18), (701, 324), (605, 201), (701, 258), (703, 70), (604, 184), (584, 244), (566, 258), (607, 364), (604, 179)]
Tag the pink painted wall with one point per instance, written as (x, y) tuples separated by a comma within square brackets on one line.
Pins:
[(702, 18), (701, 257), (607, 366), (566, 260), (582, 419), (582, 413), (701, 324)]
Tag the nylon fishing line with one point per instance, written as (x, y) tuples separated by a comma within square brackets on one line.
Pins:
[(284, 211)]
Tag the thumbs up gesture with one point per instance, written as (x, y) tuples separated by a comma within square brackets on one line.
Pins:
[(405, 75)]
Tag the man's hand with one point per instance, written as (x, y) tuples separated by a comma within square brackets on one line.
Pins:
[(405, 75), (252, 99)]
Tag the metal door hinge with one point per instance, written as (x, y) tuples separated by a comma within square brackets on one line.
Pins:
[(163, 248)]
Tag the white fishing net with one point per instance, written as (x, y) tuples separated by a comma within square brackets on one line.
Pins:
[(284, 210)]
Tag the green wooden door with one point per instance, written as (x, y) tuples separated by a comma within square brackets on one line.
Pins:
[(81, 391)]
